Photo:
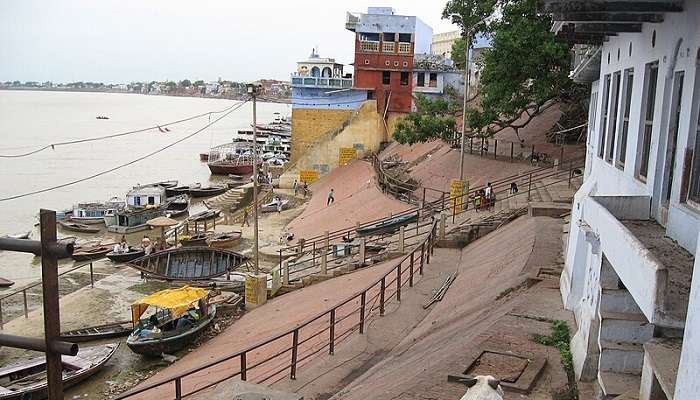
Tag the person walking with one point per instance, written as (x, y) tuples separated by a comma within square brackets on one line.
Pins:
[(306, 189), (331, 199), (245, 218), (295, 187), (513, 188)]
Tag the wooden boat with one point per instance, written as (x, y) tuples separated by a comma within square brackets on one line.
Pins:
[(22, 235), (91, 253), (132, 254), (6, 282), (188, 263), (101, 117), (272, 206), (199, 239), (131, 220), (224, 240), (98, 332), (388, 225), (178, 190), (94, 212), (205, 215), (164, 184), (203, 157), (231, 158), (178, 205), (208, 191), (76, 227), (27, 379), (182, 314)]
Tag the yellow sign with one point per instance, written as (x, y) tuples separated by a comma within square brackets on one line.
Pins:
[(308, 176), (456, 195), (346, 154), (255, 290)]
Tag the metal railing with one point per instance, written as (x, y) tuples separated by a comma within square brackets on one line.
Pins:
[(404, 48), (23, 291), (369, 46), (388, 47), (281, 355)]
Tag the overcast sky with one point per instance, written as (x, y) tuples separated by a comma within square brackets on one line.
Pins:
[(136, 40)]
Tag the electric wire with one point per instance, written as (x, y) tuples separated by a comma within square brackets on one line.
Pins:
[(115, 135), (231, 110)]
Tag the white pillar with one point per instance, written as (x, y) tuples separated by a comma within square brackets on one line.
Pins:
[(687, 382)]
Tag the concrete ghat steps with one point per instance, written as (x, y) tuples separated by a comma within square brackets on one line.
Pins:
[(618, 301), (543, 192), (628, 328), (616, 384), (621, 357)]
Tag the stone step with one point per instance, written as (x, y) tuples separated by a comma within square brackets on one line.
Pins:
[(621, 357), (631, 395), (628, 328), (616, 384), (543, 192), (618, 301)]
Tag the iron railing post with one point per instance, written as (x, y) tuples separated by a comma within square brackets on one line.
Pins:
[(410, 273), (422, 251), (331, 343), (495, 148), (398, 282), (511, 151), (92, 279), (26, 306), (178, 388), (295, 348), (529, 186), (363, 299), (244, 367), (382, 289), (571, 172)]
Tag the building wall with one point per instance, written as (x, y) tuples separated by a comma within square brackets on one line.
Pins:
[(442, 43), (364, 132), (320, 98), (687, 383), (309, 124)]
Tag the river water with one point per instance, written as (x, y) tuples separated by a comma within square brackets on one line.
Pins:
[(32, 119)]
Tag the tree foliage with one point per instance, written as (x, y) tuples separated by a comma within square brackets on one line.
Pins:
[(525, 68), (472, 16), (432, 119), (459, 53)]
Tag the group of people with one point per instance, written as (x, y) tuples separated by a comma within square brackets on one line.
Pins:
[(149, 247), (122, 247), (304, 188), (484, 198)]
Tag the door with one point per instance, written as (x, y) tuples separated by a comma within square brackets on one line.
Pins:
[(671, 148)]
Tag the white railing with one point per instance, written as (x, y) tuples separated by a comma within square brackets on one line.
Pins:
[(310, 81), (404, 48), (388, 47), (369, 46)]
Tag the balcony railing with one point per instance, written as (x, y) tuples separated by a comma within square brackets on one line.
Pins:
[(310, 81), (369, 46), (388, 47), (404, 48)]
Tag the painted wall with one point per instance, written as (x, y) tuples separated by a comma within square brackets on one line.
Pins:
[(364, 133), (327, 99), (309, 124), (687, 382)]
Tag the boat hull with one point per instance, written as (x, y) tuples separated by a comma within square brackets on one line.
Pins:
[(188, 263), (108, 331), (207, 192), (225, 169), (125, 257), (156, 346), (92, 255), (387, 226), (87, 220)]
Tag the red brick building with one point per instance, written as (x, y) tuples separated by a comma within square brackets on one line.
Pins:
[(384, 47)]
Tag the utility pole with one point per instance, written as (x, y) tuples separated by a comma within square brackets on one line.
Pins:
[(253, 91), (467, 76)]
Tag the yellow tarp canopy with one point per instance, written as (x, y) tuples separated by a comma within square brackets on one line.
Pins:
[(175, 300)]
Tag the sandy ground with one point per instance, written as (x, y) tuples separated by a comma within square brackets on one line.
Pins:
[(357, 199)]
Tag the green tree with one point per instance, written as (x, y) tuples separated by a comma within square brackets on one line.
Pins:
[(198, 83), (432, 119), (524, 72), (185, 83), (472, 16), (459, 52)]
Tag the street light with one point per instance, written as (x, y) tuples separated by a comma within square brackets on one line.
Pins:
[(467, 76), (253, 92)]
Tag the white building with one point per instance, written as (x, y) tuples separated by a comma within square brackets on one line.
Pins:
[(435, 76), (634, 227)]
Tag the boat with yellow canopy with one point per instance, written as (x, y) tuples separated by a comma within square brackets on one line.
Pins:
[(180, 315)]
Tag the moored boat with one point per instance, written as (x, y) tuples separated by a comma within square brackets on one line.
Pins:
[(93, 212), (6, 282), (178, 205), (205, 215), (388, 225), (224, 240), (208, 191), (98, 332), (199, 239), (231, 158), (21, 235), (178, 190), (132, 254), (188, 263), (26, 379), (181, 316), (91, 253), (76, 227)]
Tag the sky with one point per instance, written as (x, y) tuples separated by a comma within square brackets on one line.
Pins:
[(120, 41)]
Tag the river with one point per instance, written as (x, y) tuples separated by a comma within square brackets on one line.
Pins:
[(32, 119)]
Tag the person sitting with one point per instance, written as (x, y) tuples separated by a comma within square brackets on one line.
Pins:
[(117, 249), (183, 322)]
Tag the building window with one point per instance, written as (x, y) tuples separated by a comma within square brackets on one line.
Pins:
[(678, 79), (387, 63), (604, 115), (433, 79), (386, 77), (405, 64), (421, 79), (389, 37), (404, 79), (405, 37), (622, 144), (396, 63), (613, 118), (592, 113), (366, 61), (650, 76), (694, 193)]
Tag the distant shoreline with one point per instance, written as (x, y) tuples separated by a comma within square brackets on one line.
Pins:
[(86, 90)]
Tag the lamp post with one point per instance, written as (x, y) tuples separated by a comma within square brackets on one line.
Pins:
[(253, 91), (467, 76)]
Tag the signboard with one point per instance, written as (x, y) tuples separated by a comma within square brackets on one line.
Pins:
[(346, 154), (308, 176), (456, 198), (276, 279), (255, 290)]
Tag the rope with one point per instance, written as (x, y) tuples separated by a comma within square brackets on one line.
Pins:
[(115, 135), (231, 109)]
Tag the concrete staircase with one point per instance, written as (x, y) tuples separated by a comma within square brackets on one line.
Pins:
[(227, 201), (623, 331)]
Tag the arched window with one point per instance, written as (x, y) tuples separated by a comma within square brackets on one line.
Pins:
[(315, 72), (327, 73)]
